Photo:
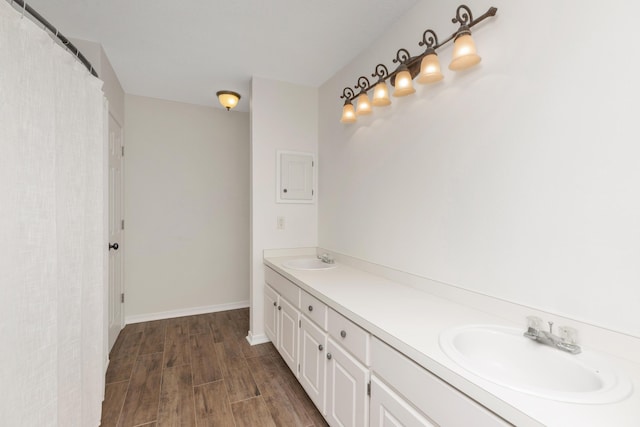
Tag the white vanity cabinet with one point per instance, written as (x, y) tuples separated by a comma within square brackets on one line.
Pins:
[(417, 387), (281, 326), (288, 336), (388, 409), (271, 314), (313, 348), (347, 372), (282, 318), (347, 382), (354, 379), (328, 353)]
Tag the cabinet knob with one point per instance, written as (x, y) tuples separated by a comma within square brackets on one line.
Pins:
[(329, 356), (275, 303), (320, 347), (279, 307), (310, 308), (343, 334)]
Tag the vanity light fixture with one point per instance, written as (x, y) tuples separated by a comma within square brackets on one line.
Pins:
[(430, 65), (228, 98), (364, 105), (402, 80), (426, 66), (380, 90), (348, 112)]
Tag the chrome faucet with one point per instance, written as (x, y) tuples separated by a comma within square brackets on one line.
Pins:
[(566, 341), (326, 258)]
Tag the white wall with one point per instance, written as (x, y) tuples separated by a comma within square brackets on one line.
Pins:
[(186, 208), (283, 117), (517, 179), (112, 89)]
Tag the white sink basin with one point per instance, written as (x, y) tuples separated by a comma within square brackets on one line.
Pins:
[(503, 356), (308, 264)]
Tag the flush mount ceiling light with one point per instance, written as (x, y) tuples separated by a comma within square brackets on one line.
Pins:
[(228, 99), (425, 65)]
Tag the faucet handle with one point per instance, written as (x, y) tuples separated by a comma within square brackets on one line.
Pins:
[(534, 322), (568, 335), (534, 325)]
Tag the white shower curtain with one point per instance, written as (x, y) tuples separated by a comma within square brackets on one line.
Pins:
[(52, 231)]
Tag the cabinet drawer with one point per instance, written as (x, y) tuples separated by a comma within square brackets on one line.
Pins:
[(286, 288), (427, 392), (349, 335), (314, 309)]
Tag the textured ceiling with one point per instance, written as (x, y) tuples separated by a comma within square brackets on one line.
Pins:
[(186, 51)]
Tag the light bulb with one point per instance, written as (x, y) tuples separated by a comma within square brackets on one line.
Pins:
[(464, 53), (430, 69), (404, 85), (381, 95), (364, 106), (348, 113)]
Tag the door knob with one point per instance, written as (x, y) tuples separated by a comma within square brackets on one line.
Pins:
[(113, 246)]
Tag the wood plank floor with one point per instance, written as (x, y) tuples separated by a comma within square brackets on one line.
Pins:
[(201, 371)]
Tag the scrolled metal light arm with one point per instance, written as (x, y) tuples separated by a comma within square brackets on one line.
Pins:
[(464, 17)]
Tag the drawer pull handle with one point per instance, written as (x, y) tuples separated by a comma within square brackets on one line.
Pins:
[(279, 307), (343, 334), (275, 303), (329, 356), (310, 308), (320, 347)]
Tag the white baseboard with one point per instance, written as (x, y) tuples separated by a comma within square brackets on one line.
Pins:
[(137, 318), (257, 339)]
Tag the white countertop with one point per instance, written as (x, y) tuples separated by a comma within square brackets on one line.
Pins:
[(411, 320)]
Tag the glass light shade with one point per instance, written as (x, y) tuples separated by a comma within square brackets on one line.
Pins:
[(464, 53), (228, 99), (430, 69), (381, 95), (404, 84), (348, 113), (364, 106)]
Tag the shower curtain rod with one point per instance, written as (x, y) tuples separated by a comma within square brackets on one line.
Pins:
[(65, 41)]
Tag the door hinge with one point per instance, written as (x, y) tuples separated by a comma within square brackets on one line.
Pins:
[(298, 367), (312, 163), (122, 147), (369, 388), (312, 192), (122, 224), (122, 298), (300, 323)]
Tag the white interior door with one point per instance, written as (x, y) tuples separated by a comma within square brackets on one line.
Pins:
[(116, 231)]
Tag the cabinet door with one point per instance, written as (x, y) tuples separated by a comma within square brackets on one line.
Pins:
[(390, 410), (270, 314), (347, 402), (313, 343), (288, 334)]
